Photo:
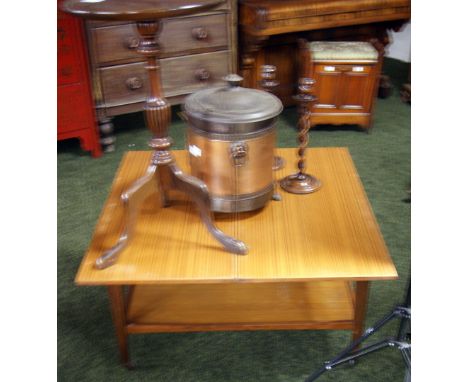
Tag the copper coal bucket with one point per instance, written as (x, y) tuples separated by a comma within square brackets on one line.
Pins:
[(231, 141)]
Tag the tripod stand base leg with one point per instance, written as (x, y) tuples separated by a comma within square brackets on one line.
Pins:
[(149, 184), (198, 192), (132, 200)]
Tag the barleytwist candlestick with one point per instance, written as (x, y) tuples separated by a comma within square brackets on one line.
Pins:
[(300, 182), (162, 173)]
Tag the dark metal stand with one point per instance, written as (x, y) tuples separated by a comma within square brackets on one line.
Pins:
[(403, 312)]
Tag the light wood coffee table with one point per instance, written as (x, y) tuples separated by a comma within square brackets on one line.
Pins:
[(310, 261)]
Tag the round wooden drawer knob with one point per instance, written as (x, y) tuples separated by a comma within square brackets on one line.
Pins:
[(200, 33), (134, 83), (202, 74), (131, 42)]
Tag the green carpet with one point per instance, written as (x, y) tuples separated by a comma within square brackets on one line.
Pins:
[(87, 347)]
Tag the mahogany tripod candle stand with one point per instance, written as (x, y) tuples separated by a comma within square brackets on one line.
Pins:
[(162, 173)]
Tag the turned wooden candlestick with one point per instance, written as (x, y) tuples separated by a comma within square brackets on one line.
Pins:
[(162, 173), (300, 182), (269, 84)]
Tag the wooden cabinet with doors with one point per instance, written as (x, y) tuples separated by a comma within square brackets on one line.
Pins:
[(346, 76)]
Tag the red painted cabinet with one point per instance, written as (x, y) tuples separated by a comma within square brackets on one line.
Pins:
[(75, 107)]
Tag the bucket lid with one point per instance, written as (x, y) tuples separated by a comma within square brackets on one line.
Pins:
[(232, 103)]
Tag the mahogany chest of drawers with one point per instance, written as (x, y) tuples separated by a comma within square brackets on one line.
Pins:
[(197, 51)]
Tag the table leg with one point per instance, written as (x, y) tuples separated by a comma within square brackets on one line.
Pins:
[(117, 304), (360, 307)]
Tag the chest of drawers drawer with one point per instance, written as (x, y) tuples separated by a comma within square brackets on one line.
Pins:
[(117, 43), (123, 84)]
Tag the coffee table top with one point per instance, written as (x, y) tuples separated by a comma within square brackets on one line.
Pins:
[(328, 235), (136, 9)]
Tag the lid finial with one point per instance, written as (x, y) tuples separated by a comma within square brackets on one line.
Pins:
[(233, 79)]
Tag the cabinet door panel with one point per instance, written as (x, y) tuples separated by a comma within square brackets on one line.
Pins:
[(327, 87), (355, 91)]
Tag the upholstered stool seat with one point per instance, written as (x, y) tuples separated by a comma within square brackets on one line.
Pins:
[(346, 51)]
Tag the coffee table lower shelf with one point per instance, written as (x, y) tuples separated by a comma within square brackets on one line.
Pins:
[(240, 306)]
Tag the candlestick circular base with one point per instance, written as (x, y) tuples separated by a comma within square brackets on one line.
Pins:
[(300, 183)]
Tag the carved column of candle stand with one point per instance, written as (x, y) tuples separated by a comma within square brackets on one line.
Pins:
[(162, 173), (269, 83), (268, 75), (300, 182)]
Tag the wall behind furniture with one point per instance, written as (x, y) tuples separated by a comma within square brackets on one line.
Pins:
[(400, 48)]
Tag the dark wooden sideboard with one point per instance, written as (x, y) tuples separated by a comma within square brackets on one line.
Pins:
[(269, 31), (197, 51)]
